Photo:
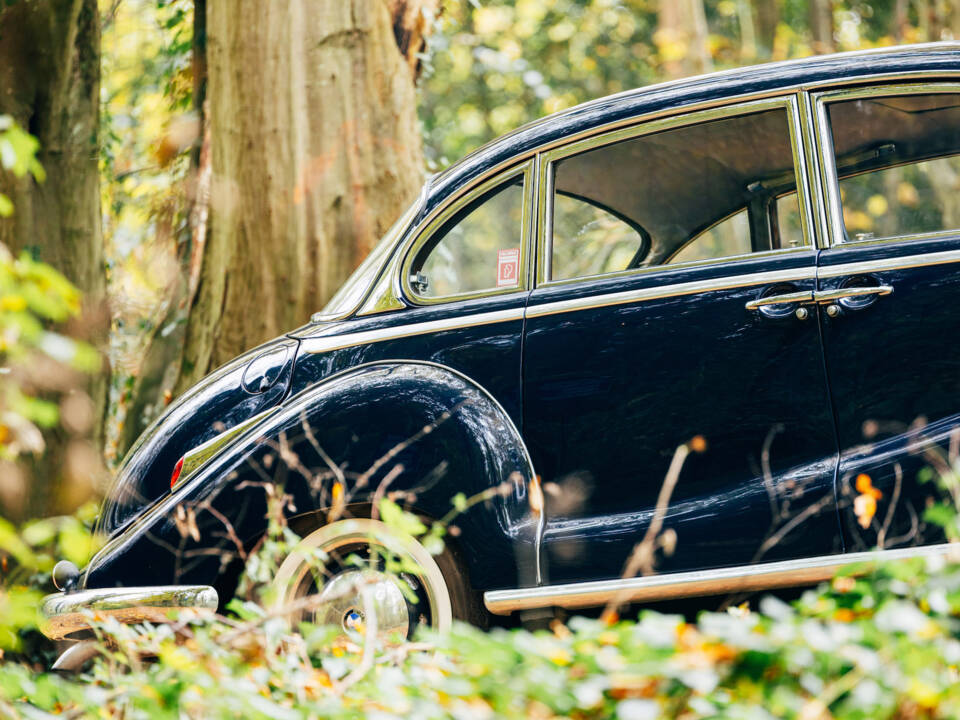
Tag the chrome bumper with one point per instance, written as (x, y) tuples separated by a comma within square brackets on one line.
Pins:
[(69, 613)]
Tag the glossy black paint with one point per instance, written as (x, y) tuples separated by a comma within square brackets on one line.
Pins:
[(895, 377), (605, 423), (216, 404), (473, 449), (546, 383)]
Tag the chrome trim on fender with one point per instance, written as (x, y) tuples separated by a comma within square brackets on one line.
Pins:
[(68, 613), (196, 457), (744, 578), (338, 342)]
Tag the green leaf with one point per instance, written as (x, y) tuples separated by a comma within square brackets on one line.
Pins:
[(940, 515), (6, 206), (399, 519)]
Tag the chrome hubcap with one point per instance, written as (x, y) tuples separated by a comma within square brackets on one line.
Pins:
[(349, 597), (343, 603)]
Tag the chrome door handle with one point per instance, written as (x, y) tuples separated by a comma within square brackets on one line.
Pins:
[(803, 296), (829, 296)]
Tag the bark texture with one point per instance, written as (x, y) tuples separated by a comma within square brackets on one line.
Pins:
[(821, 25), (681, 36), (50, 84), (315, 151), (768, 17)]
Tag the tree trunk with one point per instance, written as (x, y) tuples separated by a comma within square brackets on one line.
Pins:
[(821, 25), (315, 151), (50, 84), (768, 17), (152, 384), (681, 37)]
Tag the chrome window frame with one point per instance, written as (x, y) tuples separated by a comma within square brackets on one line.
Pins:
[(387, 294), (788, 100), (438, 220), (835, 229)]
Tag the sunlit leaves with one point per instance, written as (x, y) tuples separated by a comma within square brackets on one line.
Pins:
[(18, 150), (32, 297)]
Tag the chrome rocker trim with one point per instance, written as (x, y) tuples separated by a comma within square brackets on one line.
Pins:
[(749, 578), (69, 613)]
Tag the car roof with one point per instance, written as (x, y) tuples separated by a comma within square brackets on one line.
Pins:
[(923, 59)]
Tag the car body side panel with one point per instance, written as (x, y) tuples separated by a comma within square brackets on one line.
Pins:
[(488, 352), (611, 391), (894, 369), (426, 428)]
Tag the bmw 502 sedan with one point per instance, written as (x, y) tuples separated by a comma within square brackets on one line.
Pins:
[(767, 259)]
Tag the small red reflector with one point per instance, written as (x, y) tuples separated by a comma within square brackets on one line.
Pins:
[(176, 473)]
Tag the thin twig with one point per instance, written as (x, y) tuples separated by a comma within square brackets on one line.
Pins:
[(641, 559)]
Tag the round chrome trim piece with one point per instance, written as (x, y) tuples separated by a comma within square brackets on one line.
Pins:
[(344, 596)]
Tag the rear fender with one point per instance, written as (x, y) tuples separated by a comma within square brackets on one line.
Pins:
[(416, 429)]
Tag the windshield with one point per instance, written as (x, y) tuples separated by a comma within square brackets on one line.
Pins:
[(352, 292)]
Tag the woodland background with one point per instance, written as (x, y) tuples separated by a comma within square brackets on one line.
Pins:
[(208, 172), (180, 181)]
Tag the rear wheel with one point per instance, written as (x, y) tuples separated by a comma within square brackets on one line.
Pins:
[(371, 567)]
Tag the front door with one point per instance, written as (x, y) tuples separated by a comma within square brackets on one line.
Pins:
[(890, 333), (675, 261)]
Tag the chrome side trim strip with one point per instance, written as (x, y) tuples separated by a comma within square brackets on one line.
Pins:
[(662, 291), (894, 263), (744, 578), (338, 342)]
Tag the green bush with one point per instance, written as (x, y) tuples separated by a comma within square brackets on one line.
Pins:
[(878, 642)]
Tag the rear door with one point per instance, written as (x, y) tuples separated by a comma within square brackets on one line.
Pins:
[(893, 273), (675, 258)]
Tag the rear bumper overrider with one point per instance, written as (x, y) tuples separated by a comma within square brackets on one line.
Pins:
[(68, 614)]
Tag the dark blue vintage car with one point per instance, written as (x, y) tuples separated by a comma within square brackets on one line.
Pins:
[(766, 259)]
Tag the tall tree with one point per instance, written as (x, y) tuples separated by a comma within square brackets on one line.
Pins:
[(681, 37), (768, 17), (821, 25), (315, 151), (50, 84)]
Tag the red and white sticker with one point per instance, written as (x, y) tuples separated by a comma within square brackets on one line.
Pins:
[(508, 267)]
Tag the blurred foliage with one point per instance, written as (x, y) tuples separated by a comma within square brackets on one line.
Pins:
[(27, 556), (879, 646), (34, 356), (148, 128), (496, 64), (18, 154)]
